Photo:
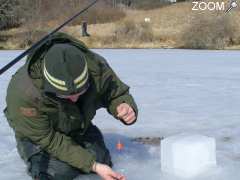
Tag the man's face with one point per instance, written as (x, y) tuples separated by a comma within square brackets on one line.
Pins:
[(74, 98)]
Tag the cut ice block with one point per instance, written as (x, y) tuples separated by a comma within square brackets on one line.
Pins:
[(187, 155)]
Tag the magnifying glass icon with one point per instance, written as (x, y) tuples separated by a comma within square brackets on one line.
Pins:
[(233, 4)]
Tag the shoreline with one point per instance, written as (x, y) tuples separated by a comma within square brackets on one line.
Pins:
[(139, 48), (182, 49)]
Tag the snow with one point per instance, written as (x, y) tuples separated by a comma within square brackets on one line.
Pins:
[(188, 155), (177, 91)]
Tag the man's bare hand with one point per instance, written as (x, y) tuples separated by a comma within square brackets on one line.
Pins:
[(106, 173), (126, 113)]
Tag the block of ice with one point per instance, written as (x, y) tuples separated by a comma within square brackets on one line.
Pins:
[(187, 155)]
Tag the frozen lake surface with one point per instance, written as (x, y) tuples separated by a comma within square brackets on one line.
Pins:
[(177, 91)]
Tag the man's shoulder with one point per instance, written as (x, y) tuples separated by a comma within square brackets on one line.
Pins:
[(96, 63), (21, 87)]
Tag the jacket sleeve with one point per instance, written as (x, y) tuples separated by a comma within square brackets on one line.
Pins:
[(37, 127), (114, 91)]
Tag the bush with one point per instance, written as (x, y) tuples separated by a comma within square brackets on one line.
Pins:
[(149, 4), (3, 37), (100, 15), (37, 16), (209, 32), (8, 16), (16, 12), (43, 11), (26, 39), (129, 30)]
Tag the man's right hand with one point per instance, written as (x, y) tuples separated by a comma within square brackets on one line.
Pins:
[(106, 172)]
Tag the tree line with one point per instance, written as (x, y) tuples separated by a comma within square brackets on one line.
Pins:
[(14, 13)]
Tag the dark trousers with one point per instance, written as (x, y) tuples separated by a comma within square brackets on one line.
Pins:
[(41, 166)]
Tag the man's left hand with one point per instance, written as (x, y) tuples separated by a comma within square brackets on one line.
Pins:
[(126, 113)]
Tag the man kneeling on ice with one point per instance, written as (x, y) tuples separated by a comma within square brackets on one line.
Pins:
[(51, 101)]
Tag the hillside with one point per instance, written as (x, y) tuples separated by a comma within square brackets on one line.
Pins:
[(171, 26)]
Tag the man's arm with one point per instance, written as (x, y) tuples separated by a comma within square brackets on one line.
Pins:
[(36, 126), (114, 91)]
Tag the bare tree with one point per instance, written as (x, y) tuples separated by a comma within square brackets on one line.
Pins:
[(8, 17)]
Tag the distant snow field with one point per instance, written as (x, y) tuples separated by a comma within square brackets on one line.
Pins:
[(177, 91)]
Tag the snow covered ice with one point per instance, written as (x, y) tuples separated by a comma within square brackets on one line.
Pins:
[(177, 91), (188, 155)]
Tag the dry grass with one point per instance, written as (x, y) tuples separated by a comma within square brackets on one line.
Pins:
[(137, 32), (149, 4), (100, 15), (124, 34), (173, 26), (218, 32), (165, 28)]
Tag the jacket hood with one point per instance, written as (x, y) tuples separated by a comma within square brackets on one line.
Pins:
[(56, 38)]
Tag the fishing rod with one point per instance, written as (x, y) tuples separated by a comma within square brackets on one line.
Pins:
[(44, 39)]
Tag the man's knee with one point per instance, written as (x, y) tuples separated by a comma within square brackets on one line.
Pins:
[(62, 171), (44, 168)]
